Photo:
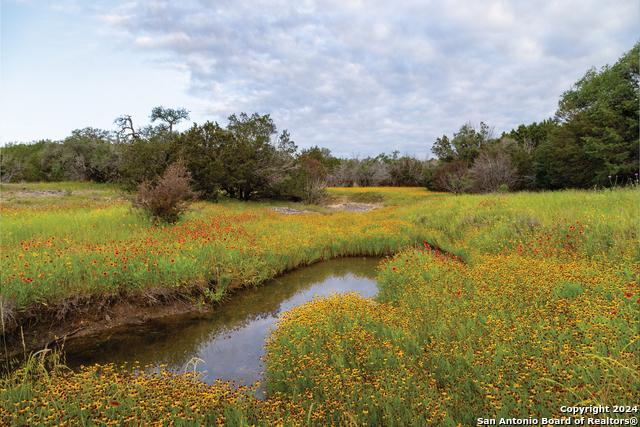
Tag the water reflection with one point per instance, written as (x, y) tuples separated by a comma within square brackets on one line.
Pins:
[(231, 337)]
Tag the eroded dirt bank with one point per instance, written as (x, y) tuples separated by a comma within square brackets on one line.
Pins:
[(90, 315)]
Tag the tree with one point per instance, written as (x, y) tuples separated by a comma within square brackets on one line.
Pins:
[(598, 132), (146, 157), (258, 167), (533, 134), (126, 131), (323, 155), (169, 116), (406, 171), (22, 162), (369, 172), (465, 145), (241, 160), (342, 175), (444, 150), (88, 154), (202, 148)]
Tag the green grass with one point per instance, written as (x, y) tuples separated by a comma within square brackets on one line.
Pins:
[(492, 306)]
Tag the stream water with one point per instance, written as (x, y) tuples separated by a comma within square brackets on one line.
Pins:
[(230, 337)]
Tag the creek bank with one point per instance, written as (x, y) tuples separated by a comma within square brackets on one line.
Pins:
[(45, 331), (43, 327)]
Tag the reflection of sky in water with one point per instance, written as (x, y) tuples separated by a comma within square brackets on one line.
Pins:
[(235, 356), (230, 338)]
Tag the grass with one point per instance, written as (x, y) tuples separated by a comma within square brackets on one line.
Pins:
[(490, 306), (54, 252)]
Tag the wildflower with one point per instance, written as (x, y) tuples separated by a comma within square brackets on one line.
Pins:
[(628, 294), (173, 260)]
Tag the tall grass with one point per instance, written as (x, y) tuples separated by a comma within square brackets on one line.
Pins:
[(51, 253), (492, 306)]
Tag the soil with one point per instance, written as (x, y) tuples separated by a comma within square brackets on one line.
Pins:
[(91, 318), (349, 207), (354, 207)]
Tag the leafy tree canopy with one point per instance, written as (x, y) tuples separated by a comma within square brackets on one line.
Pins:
[(465, 145), (598, 136), (169, 116)]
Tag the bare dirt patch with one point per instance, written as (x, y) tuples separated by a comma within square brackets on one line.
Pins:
[(354, 207), (349, 207)]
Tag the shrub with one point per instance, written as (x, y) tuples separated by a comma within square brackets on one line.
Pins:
[(491, 171), (315, 192), (170, 197), (406, 172), (453, 177)]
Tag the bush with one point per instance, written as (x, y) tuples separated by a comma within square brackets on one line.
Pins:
[(315, 192), (406, 172), (493, 170), (453, 177), (170, 197)]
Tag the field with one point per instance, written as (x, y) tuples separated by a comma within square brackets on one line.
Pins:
[(490, 306)]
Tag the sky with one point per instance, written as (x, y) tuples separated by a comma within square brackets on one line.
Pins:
[(357, 77)]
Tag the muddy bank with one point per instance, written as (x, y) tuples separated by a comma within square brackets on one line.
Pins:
[(48, 326), (44, 330)]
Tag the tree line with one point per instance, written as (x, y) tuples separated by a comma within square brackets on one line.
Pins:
[(247, 159), (591, 141)]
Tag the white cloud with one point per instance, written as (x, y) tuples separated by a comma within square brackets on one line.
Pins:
[(373, 76)]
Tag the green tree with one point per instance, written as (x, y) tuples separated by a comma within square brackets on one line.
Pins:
[(22, 162), (598, 133), (323, 155), (89, 154), (244, 160), (169, 116), (145, 158), (256, 166), (536, 133), (202, 149), (466, 145), (444, 150)]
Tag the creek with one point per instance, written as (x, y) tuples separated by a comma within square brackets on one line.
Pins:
[(230, 337)]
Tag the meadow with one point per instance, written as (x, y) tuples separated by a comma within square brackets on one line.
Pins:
[(489, 306)]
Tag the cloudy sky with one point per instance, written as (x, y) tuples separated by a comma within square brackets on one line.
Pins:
[(357, 77)]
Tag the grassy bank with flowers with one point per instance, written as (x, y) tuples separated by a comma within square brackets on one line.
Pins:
[(534, 305), (529, 303), (59, 253)]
